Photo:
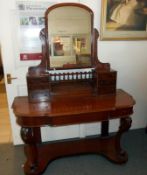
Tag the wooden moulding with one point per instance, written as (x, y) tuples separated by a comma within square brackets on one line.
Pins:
[(39, 154), (39, 80)]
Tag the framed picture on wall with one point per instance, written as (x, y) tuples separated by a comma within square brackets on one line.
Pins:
[(124, 20)]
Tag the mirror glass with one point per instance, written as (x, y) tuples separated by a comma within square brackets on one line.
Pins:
[(69, 33)]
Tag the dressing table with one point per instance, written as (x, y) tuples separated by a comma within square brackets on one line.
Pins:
[(71, 86)]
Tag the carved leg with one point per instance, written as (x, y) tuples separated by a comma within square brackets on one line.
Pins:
[(31, 137), (39, 155), (113, 149)]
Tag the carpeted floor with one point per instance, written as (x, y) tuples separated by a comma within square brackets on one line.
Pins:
[(135, 142)]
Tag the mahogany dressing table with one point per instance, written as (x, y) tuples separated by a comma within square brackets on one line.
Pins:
[(71, 86)]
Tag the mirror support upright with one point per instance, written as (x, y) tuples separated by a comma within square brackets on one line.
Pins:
[(44, 83)]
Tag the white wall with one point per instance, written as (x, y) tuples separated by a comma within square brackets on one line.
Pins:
[(129, 58)]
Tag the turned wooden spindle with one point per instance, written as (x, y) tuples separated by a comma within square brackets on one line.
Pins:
[(77, 76)]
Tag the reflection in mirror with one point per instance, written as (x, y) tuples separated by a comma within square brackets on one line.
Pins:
[(69, 31)]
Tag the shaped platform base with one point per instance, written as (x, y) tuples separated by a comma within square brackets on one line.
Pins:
[(39, 155)]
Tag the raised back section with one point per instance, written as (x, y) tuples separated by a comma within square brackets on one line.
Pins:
[(70, 66)]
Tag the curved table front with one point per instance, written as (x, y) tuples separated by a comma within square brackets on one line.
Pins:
[(72, 110)]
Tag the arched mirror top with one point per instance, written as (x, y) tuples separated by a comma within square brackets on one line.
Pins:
[(69, 36), (69, 42)]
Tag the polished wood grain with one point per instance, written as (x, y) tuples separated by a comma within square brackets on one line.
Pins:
[(72, 110), (67, 111), (39, 79), (59, 99), (39, 155)]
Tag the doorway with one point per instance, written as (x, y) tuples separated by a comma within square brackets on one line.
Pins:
[(5, 127)]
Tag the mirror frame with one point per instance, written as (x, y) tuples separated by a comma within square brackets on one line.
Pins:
[(47, 35)]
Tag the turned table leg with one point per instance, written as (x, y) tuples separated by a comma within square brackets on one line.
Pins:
[(32, 138)]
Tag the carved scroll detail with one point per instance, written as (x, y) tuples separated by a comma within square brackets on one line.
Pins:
[(31, 136), (27, 135), (125, 124)]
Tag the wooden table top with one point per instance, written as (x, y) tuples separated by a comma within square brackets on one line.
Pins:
[(72, 110)]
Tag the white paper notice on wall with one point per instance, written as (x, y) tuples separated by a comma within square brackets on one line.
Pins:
[(31, 21)]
